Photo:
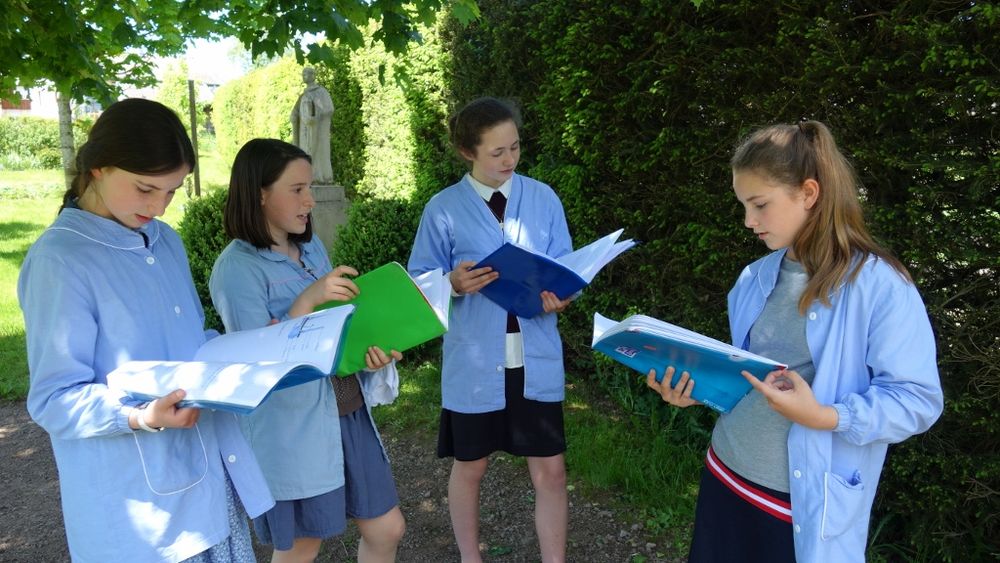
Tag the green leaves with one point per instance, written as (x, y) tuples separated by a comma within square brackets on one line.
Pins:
[(79, 44), (631, 113)]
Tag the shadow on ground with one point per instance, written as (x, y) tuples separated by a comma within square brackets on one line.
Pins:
[(31, 521)]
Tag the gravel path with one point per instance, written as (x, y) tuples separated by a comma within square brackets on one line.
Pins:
[(31, 520)]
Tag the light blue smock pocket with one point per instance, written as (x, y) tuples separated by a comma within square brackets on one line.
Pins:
[(172, 461), (843, 500)]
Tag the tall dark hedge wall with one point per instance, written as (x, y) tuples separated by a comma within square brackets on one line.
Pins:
[(632, 109)]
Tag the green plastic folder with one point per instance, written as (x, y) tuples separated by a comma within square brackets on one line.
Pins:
[(391, 312)]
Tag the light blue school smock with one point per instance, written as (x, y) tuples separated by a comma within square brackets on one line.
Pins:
[(876, 363), (296, 431), (93, 296), (456, 226)]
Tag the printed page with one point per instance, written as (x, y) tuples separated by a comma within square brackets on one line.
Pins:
[(312, 339), (589, 260), (602, 325), (680, 334), (436, 288), (238, 384)]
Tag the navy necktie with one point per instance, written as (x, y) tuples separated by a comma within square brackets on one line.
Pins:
[(497, 204)]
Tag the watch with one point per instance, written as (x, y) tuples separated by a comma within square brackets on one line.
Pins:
[(140, 420)]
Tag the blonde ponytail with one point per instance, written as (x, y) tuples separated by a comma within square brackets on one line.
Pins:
[(834, 242)]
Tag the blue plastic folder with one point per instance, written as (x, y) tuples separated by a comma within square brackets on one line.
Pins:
[(526, 273), (644, 343)]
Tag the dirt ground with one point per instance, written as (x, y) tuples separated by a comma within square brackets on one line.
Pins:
[(31, 521)]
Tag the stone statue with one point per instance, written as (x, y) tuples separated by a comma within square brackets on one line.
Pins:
[(311, 126)]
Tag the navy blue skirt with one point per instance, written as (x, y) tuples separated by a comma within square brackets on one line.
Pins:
[(738, 520), (369, 491), (523, 427)]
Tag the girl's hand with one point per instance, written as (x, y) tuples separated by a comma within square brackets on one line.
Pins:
[(375, 358), (164, 413), (464, 279), (552, 304), (791, 397), (335, 287), (680, 394), (331, 287)]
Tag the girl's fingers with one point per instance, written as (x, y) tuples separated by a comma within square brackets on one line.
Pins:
[(186, 418), (756, 383), (170, 399), (370, 361), (688, 384), (379, 355), (552, 304), (342, 287), (481, 272), (482, 282), (651, 380), (341, 271)]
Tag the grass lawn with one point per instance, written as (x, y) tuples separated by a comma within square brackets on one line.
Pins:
[(21, 221)]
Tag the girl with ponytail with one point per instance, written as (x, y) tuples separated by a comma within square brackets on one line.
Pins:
[(792, 470), (106, 283)]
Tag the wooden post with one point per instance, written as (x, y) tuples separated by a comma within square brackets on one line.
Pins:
[(194, 137)]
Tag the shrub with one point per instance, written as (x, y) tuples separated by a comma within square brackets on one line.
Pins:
[(31, 143), (377, 231), (204, 239), (405, 159)]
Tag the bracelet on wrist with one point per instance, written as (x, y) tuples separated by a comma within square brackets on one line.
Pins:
[(140, 419)]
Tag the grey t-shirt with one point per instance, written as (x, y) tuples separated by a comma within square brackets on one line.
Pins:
[(752, 439)]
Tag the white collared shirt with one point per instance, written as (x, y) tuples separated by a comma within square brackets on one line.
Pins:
[(514, 350)]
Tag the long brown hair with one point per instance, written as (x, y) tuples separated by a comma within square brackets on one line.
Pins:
[(258, 164), (834, 242), (136, 135)]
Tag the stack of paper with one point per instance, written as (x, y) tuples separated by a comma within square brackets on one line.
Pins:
[(644, 343), (238, 370)]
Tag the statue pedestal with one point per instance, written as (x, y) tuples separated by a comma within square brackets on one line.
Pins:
[(330, 212)]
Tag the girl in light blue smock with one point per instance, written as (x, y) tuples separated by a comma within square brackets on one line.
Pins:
[(502, 379), (316, 442), (105, 284), (792, 470)]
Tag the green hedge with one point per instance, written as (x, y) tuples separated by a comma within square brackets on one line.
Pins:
[(378, 231), (347, 134), (257, 105), (632, 110), (204, 239), (402, 114)]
